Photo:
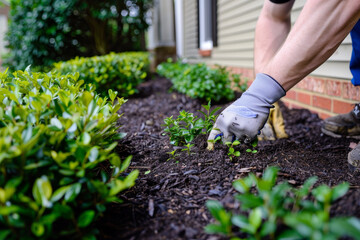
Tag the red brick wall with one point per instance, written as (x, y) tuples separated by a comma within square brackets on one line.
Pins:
[(324, 96)]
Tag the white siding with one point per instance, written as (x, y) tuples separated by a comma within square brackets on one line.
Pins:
[(236, 27), (190, 29)]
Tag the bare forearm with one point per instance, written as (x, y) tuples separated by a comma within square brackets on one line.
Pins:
[(271, 31), (320, 28)]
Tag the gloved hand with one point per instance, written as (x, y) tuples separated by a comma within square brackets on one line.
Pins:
[(245, 117), (274, 127)]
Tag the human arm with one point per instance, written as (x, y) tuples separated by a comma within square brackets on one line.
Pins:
[(272, 28), (317, 33), (319, 30)]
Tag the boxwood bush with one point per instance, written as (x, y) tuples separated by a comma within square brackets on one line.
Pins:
[(56, 145), (119, 71), (201, 81)]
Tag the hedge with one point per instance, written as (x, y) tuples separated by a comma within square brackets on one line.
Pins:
[(119, 71), (55, 136), (201, 81)]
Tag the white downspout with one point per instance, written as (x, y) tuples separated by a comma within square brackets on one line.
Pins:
[(179, 27)]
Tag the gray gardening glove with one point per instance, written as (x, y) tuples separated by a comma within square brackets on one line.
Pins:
[(246, 116)]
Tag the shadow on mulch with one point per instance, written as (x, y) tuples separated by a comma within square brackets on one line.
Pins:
[(169, 202)]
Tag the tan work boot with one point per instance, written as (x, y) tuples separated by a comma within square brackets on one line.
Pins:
[(354, 158), (343, 125)]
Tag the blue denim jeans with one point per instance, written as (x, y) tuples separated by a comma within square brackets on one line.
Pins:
[(355, 57)]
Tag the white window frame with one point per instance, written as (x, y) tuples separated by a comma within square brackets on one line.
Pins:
[(204, 45)]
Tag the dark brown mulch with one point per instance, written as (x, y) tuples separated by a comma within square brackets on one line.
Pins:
[(169, 202)]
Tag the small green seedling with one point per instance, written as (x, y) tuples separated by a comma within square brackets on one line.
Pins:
[(173, 155), (232, 153), (188, 148), (253, 144)]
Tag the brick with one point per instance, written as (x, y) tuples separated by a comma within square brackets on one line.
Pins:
[(304, 98), (287, 104), (350, 91), (322, 102), (342, 107), (291, 94), (312, 84), (323, 115), (333, 88), (293, 105), (245, 72)]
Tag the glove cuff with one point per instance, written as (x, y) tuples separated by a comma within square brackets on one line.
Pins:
[(262, 93), (266, 88)]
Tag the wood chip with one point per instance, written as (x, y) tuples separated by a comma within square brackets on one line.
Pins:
[(292, 182), (151, 207), (246, 170)]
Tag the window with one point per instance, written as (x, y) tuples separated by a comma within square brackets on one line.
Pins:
[(207, 29)]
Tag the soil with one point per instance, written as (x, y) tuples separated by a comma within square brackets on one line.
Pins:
[(168, 200)]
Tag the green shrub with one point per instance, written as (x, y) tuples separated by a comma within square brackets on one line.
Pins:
[(279, 211), (121, 72), (42, 32), (201, 81), (56, 143)]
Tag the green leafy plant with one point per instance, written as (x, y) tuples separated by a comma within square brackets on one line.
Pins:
[(56, 138), (200, 81), (122, 72), (187, 126), (42, 32), (279, 211), (232, 153)]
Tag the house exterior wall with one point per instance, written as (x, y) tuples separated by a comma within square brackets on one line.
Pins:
[(327, 91), (4, 12)]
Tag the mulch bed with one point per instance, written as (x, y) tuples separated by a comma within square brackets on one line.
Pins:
[(169, 202)]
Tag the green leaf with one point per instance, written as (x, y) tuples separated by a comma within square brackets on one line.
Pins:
[(86, 98), (249, 201), (42, 191), (4, 234), (322, 194), (343, 226), (85, 138), (243, 185), (86, 218), (255, 218), (240, 221), (37, 229), (56, 124), (215, 229), (267, 228), (94, 153), (126, 163), (72, 192), (4, 211), (270, 175), (215, 207), (59, 193), (339, 191)]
